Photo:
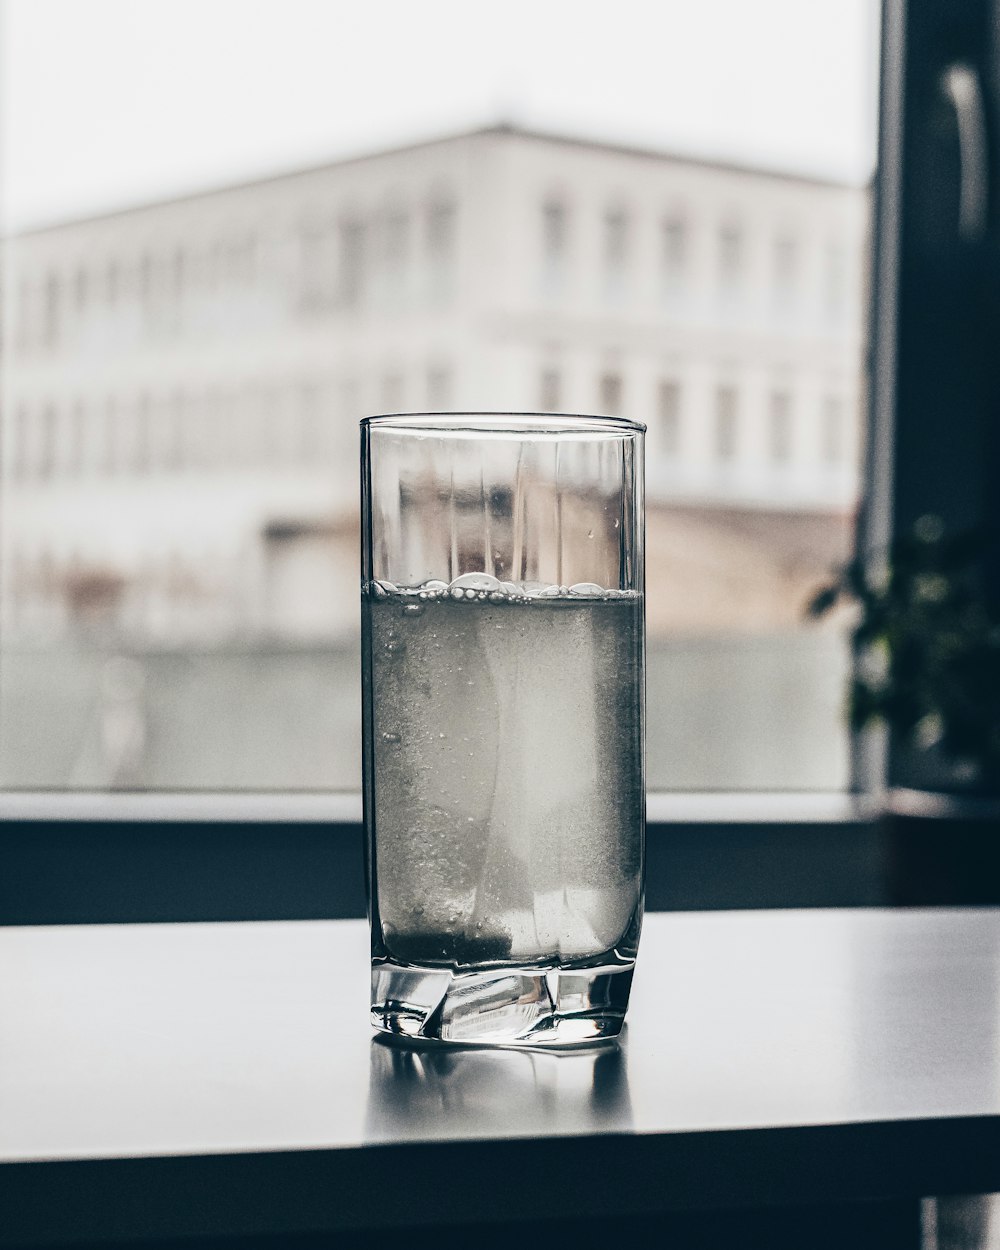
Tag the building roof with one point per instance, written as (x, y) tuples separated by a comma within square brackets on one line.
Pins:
[(498, 129)]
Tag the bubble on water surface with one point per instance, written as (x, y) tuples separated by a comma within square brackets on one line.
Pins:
[(475, 582), (587, 589)]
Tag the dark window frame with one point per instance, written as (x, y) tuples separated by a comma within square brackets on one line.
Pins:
[(85, 858)]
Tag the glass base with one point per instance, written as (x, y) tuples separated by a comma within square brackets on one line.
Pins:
[(501, 1006)]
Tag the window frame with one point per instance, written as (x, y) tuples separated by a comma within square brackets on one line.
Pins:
[(273, 855)]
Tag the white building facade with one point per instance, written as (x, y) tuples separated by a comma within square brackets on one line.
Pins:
[(183, 381)]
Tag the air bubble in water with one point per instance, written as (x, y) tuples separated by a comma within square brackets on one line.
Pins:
[(392, 739), (475, 582), (413, 609)]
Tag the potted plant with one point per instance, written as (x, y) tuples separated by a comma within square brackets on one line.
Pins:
[(926, 639)]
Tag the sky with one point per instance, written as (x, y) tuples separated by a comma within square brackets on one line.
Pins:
[(107, 103)]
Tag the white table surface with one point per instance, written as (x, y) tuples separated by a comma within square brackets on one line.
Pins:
[(813, 1053)]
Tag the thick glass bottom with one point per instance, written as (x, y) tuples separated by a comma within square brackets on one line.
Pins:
[(501, 1006)]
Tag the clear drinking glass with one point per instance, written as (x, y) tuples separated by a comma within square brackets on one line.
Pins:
[(503, 687)]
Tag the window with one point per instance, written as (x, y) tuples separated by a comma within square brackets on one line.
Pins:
[(351, 270), (50, 312), (786, 263), (396, 247), (392, 393), (47, 450), (730, 258), (77, 448), (113, 283), (835, 281), (669, 413), (438, 389), (725, 423), (555, 240), (81, 290), (548, 391), (833, 433), (616, 243), (112, 437), (610, 394), (674, 255), (780, 426), (21, 459), (441, 241), (215, 424), (317, 267)]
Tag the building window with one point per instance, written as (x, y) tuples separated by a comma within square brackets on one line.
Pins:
[(76, 451), (555, 245), (21, 462), (669, 416), (310, 429), (780, 429), (112, 436), (835, 281), (145, 276), (48, 438), (319, 272), (50, 311), (81, 290), (610, 394), (113, 282), (392, 393), (548, 391), (833, 432), (438, 388), (396, 250), (142, 441), (23, 316), (175, 431), (725, 423), (785, 262), (351, 263), (615, 251), (730, 257), (674, 254), (441, 239)]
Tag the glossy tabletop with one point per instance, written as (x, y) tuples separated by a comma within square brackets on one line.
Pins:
[(769, 1057)]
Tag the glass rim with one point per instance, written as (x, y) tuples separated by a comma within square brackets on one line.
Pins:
[(502, 423)]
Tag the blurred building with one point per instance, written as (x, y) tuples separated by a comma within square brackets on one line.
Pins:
[(183, 381)]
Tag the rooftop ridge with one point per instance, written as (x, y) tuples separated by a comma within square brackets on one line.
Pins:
[(497, 129)]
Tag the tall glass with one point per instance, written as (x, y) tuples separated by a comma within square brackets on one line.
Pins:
[(503, 685)]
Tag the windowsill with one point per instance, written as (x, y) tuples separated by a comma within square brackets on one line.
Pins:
[(344, 808)]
